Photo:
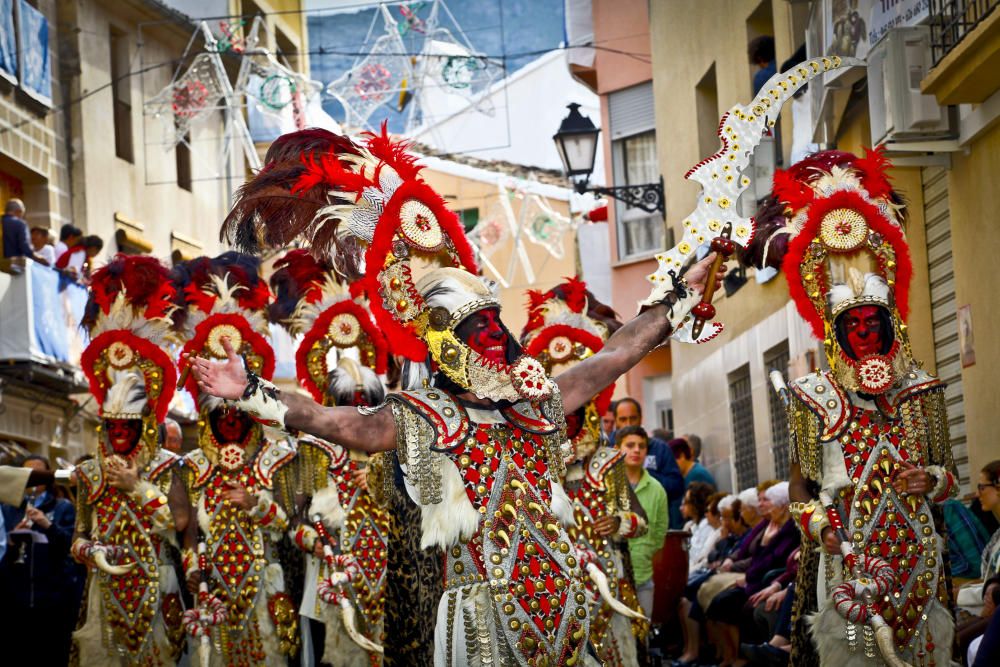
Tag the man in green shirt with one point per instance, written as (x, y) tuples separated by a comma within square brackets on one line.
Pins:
[(635, 443)]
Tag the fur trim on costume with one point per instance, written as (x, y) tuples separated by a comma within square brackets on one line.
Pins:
[(828, 631), (562, 506), (326, 503), (454, 518)]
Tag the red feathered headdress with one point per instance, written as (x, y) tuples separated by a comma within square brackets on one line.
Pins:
[(223, 297), (341, 197), (130, 373), (312, 302)]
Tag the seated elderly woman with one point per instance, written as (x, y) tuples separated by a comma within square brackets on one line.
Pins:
[(767, 549)]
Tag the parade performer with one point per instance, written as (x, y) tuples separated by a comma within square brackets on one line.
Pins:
[(131, 502), (239, 481), (479, 429), (565, 326), (312, 302), (871, 453)]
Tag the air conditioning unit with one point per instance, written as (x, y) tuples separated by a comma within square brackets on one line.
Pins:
[(899, 112)]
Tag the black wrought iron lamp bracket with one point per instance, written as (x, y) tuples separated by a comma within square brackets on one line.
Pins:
[(646, 196)]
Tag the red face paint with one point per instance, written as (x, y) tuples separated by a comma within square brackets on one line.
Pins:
[(863, 326), (123, 434), (230, 425), (488, 337)]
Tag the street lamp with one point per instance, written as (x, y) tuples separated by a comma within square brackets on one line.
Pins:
[(576, 142)]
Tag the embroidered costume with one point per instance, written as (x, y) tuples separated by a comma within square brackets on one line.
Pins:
[(311, 301), (856, 427), (486, 472), (566, 325), (225, 298), (133, 603)]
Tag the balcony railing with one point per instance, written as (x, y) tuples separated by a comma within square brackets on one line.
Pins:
[(952, 20)]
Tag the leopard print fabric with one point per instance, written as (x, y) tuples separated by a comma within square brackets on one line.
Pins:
[(414, 583)]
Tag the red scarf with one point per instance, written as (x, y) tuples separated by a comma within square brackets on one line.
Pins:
[(63, 260)]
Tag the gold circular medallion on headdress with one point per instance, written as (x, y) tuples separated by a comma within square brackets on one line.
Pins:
[(120, 355), (420, 226), (560, 348), (843, 229), (215, 336), (344, 329)]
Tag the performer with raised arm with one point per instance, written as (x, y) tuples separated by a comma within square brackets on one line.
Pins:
[(479, 428), (565, 326), (131, 503), (240, 482), (344, 594), (871, 454)]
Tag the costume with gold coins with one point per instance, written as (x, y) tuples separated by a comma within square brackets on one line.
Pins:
[(566, 325), (244, 616), (345, 591), (835, 226), (133, 602), (486, 475)]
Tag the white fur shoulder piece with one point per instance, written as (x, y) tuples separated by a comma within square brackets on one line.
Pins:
[(562, 507), (443, 524), (326, 503)]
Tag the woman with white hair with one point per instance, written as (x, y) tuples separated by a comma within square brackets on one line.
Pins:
[(767, 548)]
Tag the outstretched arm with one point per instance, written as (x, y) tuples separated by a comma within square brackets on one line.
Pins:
[(626, 347), (344, 426)]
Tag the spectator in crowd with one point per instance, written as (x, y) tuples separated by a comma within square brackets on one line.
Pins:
[(694, 509), (69, 235), (988, 493), (41, 243), (15, 231), (74, 257), (991, 599), (695, 442), (691, 469), (36, 576), (749, 508), (661, 434), (761, 53), (93, 245), (608, 421), (967, 539), (172, 437), (768, 547), (635, 443), (659, 460), (970, 596)]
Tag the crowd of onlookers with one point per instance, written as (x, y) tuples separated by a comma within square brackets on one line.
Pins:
[(72, 254), (743, 549)]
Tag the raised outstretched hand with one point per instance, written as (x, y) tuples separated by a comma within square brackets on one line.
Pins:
[(697, 275), (227, 380)]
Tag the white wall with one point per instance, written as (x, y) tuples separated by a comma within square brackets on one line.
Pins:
[(528, 108)]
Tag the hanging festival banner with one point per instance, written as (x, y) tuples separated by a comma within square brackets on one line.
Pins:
[(190, 96)]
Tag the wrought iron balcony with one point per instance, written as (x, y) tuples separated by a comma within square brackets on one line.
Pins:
[(952, 20)]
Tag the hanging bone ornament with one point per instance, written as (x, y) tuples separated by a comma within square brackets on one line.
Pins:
[(722, 181)]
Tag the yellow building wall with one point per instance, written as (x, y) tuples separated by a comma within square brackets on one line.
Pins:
[(975, 200)]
